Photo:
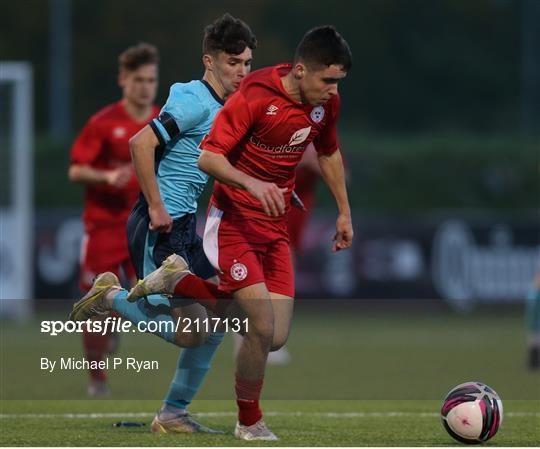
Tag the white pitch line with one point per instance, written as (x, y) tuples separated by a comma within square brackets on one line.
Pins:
[(227, 414)]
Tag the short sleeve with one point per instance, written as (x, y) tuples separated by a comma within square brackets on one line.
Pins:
[(88, 145), (182, 112), (327, 141), (231, 125)]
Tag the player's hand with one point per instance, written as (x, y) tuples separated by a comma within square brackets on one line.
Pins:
[(270, 196), (344, 233), (160, 220), (120, 176)]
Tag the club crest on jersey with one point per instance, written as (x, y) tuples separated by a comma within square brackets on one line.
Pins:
[(271, 110), (317, 114), (119, 132), (300, 136), (239, 271)]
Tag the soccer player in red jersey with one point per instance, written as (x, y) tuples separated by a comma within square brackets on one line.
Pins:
[(253, 149), (101, 160)]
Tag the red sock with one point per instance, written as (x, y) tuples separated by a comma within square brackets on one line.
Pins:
[(95, 346), (248, 393), (204, 292)]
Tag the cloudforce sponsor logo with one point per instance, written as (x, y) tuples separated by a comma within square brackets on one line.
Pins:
[(278, 149)]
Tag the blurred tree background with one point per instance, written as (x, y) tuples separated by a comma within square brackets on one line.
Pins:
[(432, 108)]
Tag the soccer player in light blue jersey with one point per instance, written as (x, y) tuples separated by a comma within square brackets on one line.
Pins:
[(165, 155)]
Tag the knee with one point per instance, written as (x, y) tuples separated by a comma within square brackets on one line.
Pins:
[(189, 339), (278, 342), (262, 331), (276, 346)]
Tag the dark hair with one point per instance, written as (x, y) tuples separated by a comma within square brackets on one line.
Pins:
[(228, 34), (323, 46), (137, 56)]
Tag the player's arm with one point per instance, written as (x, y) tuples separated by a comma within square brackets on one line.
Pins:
[(142, 147), (269, 194), (86, 174), (85, 151), (333, 174)]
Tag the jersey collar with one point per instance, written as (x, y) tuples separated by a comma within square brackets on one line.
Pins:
[(213, 92), (278, 71)]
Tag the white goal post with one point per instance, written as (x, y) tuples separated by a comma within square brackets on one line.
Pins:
[(17, 217)]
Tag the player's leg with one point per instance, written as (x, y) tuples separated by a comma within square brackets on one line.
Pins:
[(204, 292), (173, 278), (192, 367), (184, 241), (533, 325), (146, 253), (96, 344), (106, 293), (235, 250), (128, 274), (254, 302), (279, 275), (93, 343), (269, 317), (193, 362), (251, 302), (283, 307)]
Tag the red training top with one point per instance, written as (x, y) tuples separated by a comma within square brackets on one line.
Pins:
[(104, 144)]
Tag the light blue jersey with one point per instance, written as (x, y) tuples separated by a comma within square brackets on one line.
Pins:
[(182, 123)]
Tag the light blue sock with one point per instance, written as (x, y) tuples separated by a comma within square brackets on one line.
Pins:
[(141, 311), (533, 311), (193, 364)]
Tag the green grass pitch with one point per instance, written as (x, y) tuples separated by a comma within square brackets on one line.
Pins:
[(297, 423), (358, 378)]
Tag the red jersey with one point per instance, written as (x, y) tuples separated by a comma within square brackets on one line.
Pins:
[(104, 144), (264, 132)]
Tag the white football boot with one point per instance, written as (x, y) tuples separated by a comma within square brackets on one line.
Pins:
[(255, 432)]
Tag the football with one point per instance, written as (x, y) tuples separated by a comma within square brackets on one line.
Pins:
[(472, 412)]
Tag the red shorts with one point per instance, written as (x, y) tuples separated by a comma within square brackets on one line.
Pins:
[(246, 251), (104, 248)]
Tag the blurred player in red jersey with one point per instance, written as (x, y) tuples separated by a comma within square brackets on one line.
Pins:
[(101, 160), (307, 176), (252, 150)]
